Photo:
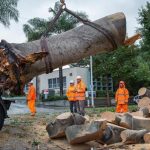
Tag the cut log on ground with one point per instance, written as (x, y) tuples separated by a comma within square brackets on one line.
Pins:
[(147, 137), (111, 134), (144, 112), (57, 128), (126, 121), (144, 92), (144, 102), (137, 113), (109, 116), (118, 118), (133, 136), (84, 133), (63, 49), (141, 123)]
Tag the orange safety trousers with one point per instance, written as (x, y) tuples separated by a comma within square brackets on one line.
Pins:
[(122, 108), (31, 105)]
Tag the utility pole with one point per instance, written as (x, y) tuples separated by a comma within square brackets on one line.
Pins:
[(91, 68)]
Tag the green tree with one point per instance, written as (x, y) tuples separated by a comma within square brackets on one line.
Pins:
[(144, 21), (37, 26), (8, 11)]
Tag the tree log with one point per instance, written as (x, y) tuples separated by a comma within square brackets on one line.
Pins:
[(118, 119), (141, 123), (133, 136), (144, 102), (111, 134), (144, 112), (63, 49), (109, 116), (147, 137), (126, 121), (144, 92), (77, 134), (57, 128)]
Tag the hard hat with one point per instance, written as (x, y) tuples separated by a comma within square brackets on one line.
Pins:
[(78, 77), (31, 82), (71, 81)]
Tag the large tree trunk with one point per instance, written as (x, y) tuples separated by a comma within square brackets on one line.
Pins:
[(73, 45)]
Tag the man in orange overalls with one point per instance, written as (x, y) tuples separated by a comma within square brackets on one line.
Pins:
[(80, 95), (71, 97), (121, 98), (31, 97)]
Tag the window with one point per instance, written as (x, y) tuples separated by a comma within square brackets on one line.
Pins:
[(55, 83), (50, 84)]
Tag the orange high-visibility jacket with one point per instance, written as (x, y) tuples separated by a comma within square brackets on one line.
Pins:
[(31, 93), (122, 96), (71, 93), (80, 88)]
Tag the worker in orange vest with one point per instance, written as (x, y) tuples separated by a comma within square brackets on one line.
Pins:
[(121, 98), (31, 97), (71, 97), (80, 95)]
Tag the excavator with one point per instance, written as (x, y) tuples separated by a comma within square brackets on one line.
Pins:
[(21, 62)]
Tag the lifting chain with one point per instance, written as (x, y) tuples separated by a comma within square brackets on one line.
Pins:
[(108, 34)]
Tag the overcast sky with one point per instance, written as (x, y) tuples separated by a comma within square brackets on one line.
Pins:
[(94, 8)]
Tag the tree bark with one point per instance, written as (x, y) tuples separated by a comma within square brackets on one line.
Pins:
[(63, 49), (133, 136), (144, 112), (73, 45), (126, 121), (111, 134)]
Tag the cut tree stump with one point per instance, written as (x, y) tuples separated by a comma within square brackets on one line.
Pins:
[(111, 134), (133, 136), (126, 121), (57, 128), (144, 112), (77, 134), (144, 102), (147, 137), (109, 116), (144, 92)]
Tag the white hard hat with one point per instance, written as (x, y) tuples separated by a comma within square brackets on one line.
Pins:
[(71, 81), (31, 82), (78, 77)]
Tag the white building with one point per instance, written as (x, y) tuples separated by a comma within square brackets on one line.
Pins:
[(51, 80)]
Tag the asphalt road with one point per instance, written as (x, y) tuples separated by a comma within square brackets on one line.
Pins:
[(16, 108)]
